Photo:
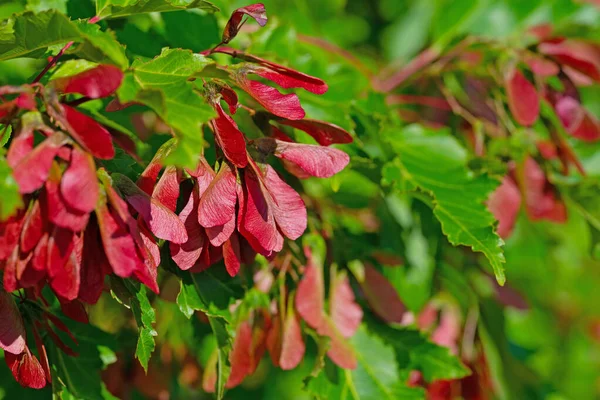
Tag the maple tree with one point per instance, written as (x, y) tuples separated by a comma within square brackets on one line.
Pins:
[(200, 199)]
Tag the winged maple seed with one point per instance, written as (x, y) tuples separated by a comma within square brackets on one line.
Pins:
[(79, 223), (277, 329)]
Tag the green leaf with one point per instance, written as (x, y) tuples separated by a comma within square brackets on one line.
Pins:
[(100, 46), (5, 134), (30, 35), (10, 200), (435, 362), (435, 163), (43, 5), (123, 8), (79, 377), (144, 315), (142, 309), (163, 85), (452, 18), (145, 346), (207, 293), (72, 67), (376, 376), (191, 30)]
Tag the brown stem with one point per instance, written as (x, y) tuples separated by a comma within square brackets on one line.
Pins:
[(53, 62), (62, 51)]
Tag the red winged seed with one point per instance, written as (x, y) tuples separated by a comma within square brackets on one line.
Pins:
[(230, 97), (95, 83), (382, 296), (20, 147), (33, 228), (119, 246), (61, 245), (94, 265), (66, 279), (309, 297), (232, 255), (256, 11), (258, 217), (79, 184), (229, 138), (217, 235), (89, 133), (186, 254), (33, 170), (523, 99), (340, 351), (292, 346), (505, 203), (58, 211), (241, 357), (323, 132), (578, 121), (288, 78), (283, 105), (288, 207), (345, 313), (26, 369), (166, 190), (217, 205), (582, 56), (281, 75), (12, 330), (40, 254), (540, 199), (162, 222), (10, 231), (319, 161)]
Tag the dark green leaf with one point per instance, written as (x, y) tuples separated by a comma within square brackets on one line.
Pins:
[(79, 377), (207, 293), (123, 8), (30, 35), (191, 30), (375, 378), (43, 5), (435, 362)]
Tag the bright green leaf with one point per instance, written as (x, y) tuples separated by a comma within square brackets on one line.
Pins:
[(436, 163), (163, 85), (145, 346), (10, 200), (100, 46)]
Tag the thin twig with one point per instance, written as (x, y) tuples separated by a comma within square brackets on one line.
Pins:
[(62, 51), (53, 62)]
